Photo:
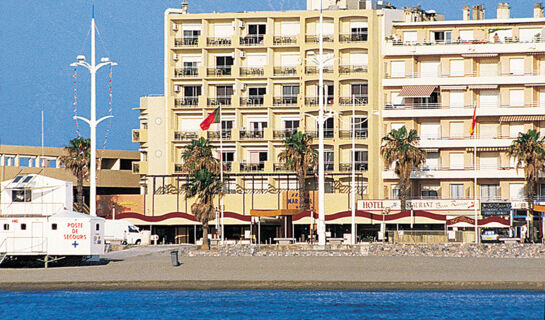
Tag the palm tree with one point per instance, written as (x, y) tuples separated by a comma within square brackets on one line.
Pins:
[(203, 182), (400, 147), (298, 156), (77, 161), (529, 151)]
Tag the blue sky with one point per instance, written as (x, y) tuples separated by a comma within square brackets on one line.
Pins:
[(39, 39)]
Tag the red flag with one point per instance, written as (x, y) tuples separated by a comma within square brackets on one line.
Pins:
[(472, 129), (214, 117)]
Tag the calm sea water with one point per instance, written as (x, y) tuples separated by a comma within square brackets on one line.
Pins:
[(272, 304)]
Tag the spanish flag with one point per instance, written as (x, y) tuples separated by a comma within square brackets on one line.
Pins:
[(214, 117), (472, 129)]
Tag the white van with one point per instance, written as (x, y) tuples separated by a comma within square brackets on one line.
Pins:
[(121, 231)]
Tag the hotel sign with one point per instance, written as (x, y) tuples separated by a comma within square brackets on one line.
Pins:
[(495, 208), (418, 204)]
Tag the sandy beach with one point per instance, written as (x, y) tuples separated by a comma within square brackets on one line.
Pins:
[(153, 270)]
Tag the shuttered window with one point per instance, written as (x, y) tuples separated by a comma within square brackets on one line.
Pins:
[(328, 28), (399, 101), (256, 60), (456, 160), (397, 125), (542, 66), (489, 98), (516, 191), (429, 69), (223, 30), (457, 99), (516, 66), (516, 98), (542, 98), (189, 124), (457, 68), (456, 129), (432, 161), (466, 35), (398, 69), (528, 35), (290, 28), (410, 36), (488, 161), (430, 130), (515, 128), (488, 130), (359, 58), (488, 68), (289, 59)]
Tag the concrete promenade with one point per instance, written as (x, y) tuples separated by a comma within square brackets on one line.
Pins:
[(152, 269)]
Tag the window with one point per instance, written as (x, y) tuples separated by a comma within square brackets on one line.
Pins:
[(258, 126), (457, 68), (456, 191), (133, 229), (430, 130), (410, 36), (398, 69), (256, 32), (358, 123), (226, 125), (192, 91), (430, 69), (255, 95), (223, 30), (542, 98), (432, 161), (358, 34), (258, 157), (21, 195), (529, 35), (466, 35), (490, 192), (395, 192), (6, 226), (501, 35), (224, 91), (289, 28), (441, 36), (541, 192), (488, 161), (223, 65), (516, 98), (516, 66), (291, 125), (489, 98), (397, 125), (515, 128), (456, 161), (488, 68), (228, 156), (457, 99), (516, 191), (488, 130), (456, 129), (328, 128), (191, 37), (23, 226), (429, 192), (359, 90), (328, 160), (290, 92), (53, 226), (397, 100)]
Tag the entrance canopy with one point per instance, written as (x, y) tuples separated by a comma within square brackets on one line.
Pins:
[(273, 212)]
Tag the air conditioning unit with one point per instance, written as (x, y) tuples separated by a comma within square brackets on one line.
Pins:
[(175, 57), (177, 88), (241, 24), (242, 87), (175, 27), (242, 54)]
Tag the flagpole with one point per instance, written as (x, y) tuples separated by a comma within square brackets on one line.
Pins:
[(221, 178), (475, 174)]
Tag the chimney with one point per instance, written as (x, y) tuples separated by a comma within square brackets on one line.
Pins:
[(466, 13), (538, 10), (503, 10), (478, 12), (184, 7)]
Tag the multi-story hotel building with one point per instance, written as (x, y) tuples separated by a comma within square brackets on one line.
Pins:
[(436, 72), (259, 68)]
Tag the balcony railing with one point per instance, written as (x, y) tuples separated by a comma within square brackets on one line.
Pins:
[(135, 135), (186, 72), (186, 101), (219, 101), (285, 71), (219, 71), (252, 71), (359, 166), (227, 166), (353, 37), (328, 133), (286, 100), (416, 106), (464, 42), (252, 134), (178, 168), (185, 135), (284, 40), (218, 41), (135, 167), (251, 167), (313, 38), (215, 135), (313, 101), (252, 40), (283, 134), (347, 69), (315, 69), (252, 101), (184, 42), (280, 166), (358, 134), (358, 100)]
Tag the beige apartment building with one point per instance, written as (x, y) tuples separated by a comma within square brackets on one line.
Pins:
[(435, 72), (260, 69)]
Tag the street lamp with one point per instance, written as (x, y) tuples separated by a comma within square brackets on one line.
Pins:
[(93, 122)]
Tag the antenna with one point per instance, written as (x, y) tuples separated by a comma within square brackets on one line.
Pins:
[(93, 11), (41, 159)]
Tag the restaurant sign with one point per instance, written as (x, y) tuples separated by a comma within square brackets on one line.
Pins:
[(495, 208), (418, 204)]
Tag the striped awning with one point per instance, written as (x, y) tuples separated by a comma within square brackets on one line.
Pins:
[(416, 91), (521, 118), (480, 55), (487, 149), (484, 86), (534, 84), (453, 87)]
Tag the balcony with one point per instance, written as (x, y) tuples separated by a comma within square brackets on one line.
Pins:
[(348, 69), (359, 166), (252, 40), (417, 106), (186, 102), (140, 135), (178, 168), (252, 101), (186, 72), (186, 42), (252, 134), (252, 167), (313, 38), (280, 166), (465, 42), (185, 135), (358, 134), (136, 167), (359, 100), (252, 71), (219, 101), (313, 101), (227, 166), (285, 101), (353, 37), (284, 40), (219, 72), (283, 134), (218, 42), (315, 69), (285, 71), (215, 135), (328, 133)]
